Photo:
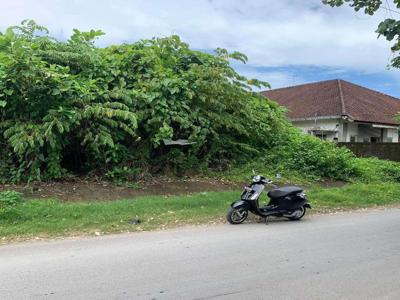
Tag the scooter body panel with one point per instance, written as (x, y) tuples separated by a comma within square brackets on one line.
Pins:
[(240, 203), (289, 202), (276, 206)]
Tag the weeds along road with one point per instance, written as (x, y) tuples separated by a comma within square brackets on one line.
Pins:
[(346, 256)]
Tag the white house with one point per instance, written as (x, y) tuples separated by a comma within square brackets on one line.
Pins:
[(338, 110)]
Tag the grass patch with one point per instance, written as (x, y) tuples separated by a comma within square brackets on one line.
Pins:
[(374, 170), (352, 196), (55, 218)]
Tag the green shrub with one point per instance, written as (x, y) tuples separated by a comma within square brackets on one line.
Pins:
[(310, 156), (376, 170), (9, 203), (123, 174), (9, 199)]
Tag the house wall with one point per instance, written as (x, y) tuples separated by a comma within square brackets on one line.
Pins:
[(352, 130), (343, 131), (392, 135), (346, 130), (364, 132), (389, 151), (325, 124)]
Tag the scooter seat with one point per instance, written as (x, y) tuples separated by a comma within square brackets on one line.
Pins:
[(284, 191)]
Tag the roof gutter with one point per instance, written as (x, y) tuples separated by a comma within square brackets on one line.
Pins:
[(316, 118), (385, 126), (377, 124)]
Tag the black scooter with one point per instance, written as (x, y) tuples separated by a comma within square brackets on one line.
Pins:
[(289, 202)]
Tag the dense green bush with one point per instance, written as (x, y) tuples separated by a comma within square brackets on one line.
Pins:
[(309, 155), (300, 158), (72, 107)]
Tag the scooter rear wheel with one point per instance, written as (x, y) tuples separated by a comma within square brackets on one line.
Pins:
[(237, 216), (298, 214)]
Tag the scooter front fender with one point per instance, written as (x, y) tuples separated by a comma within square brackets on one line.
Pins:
[(240, 204)]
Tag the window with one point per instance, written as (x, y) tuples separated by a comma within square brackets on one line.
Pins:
[(375, 139), (352, 139), (321, 136)]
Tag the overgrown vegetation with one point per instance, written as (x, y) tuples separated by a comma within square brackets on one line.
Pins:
[(373, 170), (9, 205), (305, 159), (70, 108), (55, 218)]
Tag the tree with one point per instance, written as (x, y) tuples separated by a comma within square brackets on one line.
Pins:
[(389, 28)]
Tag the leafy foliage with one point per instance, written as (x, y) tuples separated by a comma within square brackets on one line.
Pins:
[(389, 28), (369, 6), (72, 107), (48, 107), (310, 156), (9, 201), (376, 170)]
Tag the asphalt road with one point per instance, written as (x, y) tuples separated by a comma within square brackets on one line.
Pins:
[(346, 256)]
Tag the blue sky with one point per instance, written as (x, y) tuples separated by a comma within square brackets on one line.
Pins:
[(288, 42)]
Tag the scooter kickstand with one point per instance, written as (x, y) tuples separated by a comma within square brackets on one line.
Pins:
[(266, 220)]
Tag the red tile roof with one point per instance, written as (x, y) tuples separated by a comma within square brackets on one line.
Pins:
[(336, 98)]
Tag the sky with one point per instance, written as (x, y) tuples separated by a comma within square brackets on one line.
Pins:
[(288, 42)]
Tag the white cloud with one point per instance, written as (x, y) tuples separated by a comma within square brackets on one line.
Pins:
[(270, 32), (276, 78)]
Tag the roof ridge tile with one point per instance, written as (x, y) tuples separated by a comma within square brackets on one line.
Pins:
[(300, 85), (341, 97)]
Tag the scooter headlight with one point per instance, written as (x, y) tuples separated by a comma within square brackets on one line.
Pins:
[(257, 178)]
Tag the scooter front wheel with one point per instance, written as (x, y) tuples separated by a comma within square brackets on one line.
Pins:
[(237, 215)]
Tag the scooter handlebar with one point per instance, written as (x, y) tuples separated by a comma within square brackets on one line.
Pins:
[(271, 183), (268, 181)]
